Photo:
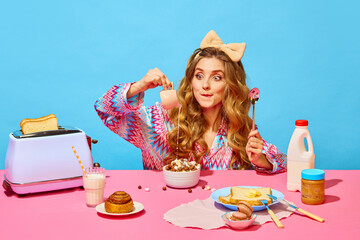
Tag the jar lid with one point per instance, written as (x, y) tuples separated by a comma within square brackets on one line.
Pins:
[(312, 174)]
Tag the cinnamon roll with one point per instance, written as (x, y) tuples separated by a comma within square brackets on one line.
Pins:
[(119, 202)]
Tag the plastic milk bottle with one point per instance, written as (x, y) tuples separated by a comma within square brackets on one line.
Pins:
[(298, 158)]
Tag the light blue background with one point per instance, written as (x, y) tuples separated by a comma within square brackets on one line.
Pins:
[(60, 56)]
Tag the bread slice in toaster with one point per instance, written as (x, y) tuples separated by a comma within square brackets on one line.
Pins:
[(46, 123)]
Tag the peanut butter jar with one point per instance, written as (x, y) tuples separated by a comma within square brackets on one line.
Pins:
[(312, 186)]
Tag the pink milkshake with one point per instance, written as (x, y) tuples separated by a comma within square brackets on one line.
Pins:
[(94, 184)]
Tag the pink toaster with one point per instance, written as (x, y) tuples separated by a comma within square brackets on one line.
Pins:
[(45, 161)]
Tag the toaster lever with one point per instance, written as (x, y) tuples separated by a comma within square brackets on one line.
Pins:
[(6, 186)]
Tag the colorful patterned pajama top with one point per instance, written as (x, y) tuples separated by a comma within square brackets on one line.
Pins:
[(147, 129)]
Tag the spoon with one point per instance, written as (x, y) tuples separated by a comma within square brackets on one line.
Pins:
[(254, 96)]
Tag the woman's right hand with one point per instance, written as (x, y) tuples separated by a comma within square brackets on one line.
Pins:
[(152, 79)]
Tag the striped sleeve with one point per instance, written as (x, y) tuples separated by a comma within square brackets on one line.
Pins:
[(275, 157), (122, 115)]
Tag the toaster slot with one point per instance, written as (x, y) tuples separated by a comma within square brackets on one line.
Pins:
[(61, 131)]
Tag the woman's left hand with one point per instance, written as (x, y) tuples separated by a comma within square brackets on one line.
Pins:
[(254, 149)]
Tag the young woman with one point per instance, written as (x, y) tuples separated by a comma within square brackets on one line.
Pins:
[(212, 126)]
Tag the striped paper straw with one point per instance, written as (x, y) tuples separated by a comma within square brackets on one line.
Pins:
[(82, 166)]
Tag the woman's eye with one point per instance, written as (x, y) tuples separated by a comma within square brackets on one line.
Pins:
[(199, 76), (217, 77)]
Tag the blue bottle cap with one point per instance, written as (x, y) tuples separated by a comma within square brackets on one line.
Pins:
[(312, 174)]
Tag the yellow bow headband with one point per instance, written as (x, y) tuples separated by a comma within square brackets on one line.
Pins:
[(234, 50)]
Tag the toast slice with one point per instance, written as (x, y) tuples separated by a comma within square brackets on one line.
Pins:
[(250, 195), (225, 199), (46, 123)]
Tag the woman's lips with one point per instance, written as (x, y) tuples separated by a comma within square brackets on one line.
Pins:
[(206, 95)]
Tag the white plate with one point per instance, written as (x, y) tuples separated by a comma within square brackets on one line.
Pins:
[(137, 208), (226, 191)]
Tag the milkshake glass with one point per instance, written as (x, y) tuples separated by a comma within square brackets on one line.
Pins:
[(94, 184)]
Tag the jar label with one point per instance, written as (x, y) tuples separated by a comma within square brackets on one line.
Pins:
[(312, 193)]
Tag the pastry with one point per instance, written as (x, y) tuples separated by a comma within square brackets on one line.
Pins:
[(46, 123), (119, 202), (245, 211), (245, 208), (237, 216)]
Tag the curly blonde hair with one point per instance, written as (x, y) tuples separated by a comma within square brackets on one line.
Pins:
[(192, 124)]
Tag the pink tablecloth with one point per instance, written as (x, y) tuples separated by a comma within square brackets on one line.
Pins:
[(64, 215)]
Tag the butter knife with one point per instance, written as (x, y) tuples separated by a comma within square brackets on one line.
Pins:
[(285, 202)]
